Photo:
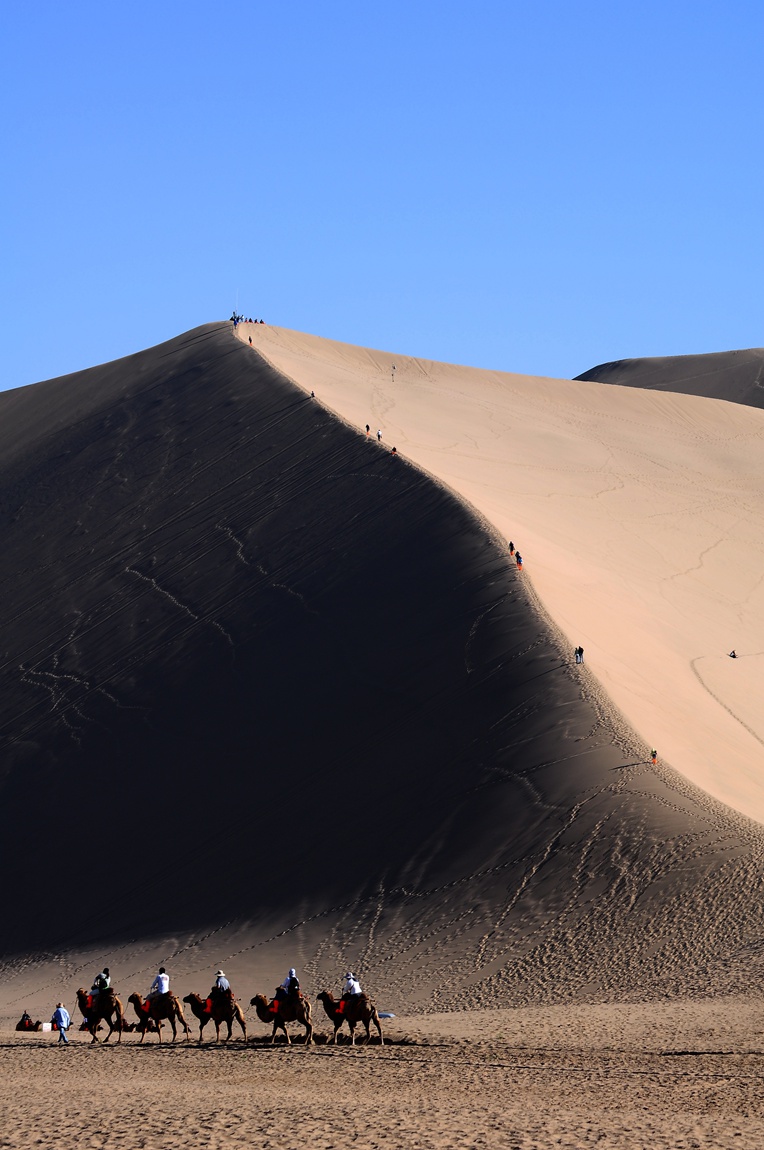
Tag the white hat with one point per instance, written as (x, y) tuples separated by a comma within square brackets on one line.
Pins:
[(220, 974)]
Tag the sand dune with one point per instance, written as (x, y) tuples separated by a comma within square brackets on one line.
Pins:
[(640, 516), (271, 696), (736, 376)]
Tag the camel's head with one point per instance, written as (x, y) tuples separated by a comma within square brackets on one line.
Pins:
[(324, 996), (189, 998), (259, 998), (135, 998)]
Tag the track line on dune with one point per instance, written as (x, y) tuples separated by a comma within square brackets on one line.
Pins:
[(716, 698), (177, 603)]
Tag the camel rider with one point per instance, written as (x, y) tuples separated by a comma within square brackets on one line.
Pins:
[(351, 991), (101, 982), (160, 985), (290, 987), (222, 986)]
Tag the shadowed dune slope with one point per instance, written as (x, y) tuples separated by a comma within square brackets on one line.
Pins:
[(254, 669), (737, 376)]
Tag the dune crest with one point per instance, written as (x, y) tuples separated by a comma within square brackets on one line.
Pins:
[(640, 516)]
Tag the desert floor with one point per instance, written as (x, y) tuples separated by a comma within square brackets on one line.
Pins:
[(668, 1075)]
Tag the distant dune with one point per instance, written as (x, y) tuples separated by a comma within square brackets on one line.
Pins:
[(737, 376), (270, 694)]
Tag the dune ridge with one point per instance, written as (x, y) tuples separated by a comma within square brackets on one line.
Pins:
[(288, 701), (731, 375), (639, 515)]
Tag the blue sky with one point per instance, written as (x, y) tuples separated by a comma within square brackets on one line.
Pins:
[(536, 187)]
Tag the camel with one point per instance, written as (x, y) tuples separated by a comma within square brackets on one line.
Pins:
[(163, 1008), (25, 1023), (222, 1009), (287, 1010), (360, 1011), (103, 1006)]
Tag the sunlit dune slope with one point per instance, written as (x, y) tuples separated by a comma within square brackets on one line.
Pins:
[(640, 516)]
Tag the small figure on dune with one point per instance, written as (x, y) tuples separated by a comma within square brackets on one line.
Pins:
[(250, 341), (394, 451), (653, 756), (511, 547), (379, 436), (733, 654), (312, 395), (519, 560), (368, 429), (579, 654)]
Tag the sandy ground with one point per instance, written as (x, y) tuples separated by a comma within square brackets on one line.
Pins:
[(668, 1076), (640, 517)]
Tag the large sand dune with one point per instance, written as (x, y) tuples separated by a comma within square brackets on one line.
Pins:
[(640, 516), (271, 695)]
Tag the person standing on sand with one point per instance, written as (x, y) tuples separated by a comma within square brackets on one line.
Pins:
[(62, 1019), (653, 756), (368, 429), (519, 560), (379, 436), (511, 547), (578, 654)]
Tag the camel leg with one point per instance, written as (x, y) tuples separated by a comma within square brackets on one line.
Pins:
[(159, 1029), (174, 1029), (143, 1032), (201, 1030), (229, 1024), (286, 1035), (243, 1025), (336, 1032), (378, 1025), (92, 1030), (217, 1030), (352, 1033)]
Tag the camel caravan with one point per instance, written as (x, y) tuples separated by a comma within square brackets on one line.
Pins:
[(101, 1008)]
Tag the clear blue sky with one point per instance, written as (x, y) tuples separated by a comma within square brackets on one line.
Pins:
[(536, 187)]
